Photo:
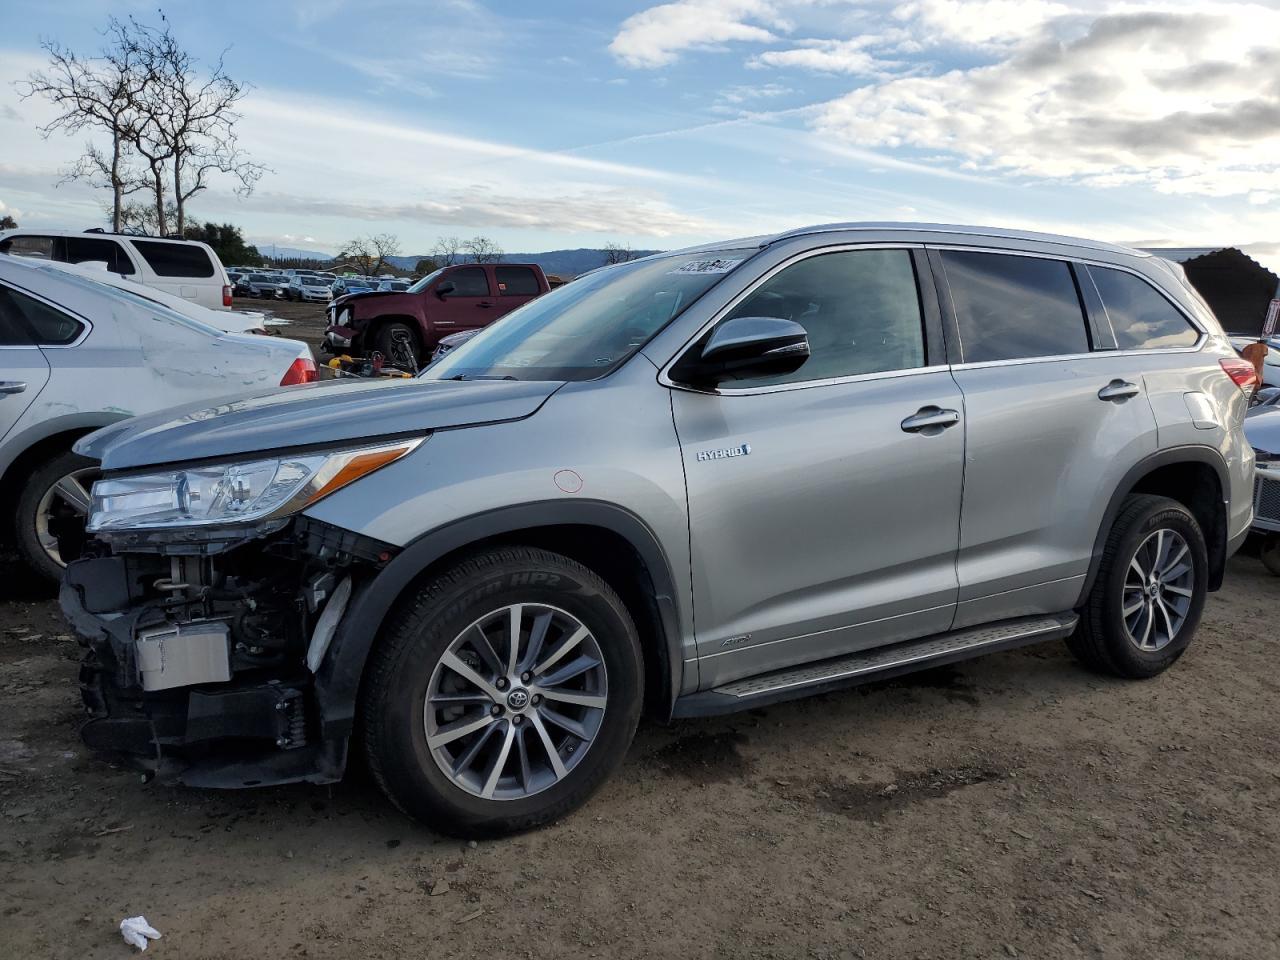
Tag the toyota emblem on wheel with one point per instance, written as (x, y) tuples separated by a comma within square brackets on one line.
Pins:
[(518, 699)]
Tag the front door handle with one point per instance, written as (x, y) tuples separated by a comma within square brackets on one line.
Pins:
[(12, 386), (484, 303), (930, 420), (1118, 390)]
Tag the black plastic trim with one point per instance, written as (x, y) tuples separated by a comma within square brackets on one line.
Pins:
[(338, 680)]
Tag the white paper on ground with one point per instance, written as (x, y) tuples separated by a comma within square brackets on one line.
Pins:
[(136, 932)]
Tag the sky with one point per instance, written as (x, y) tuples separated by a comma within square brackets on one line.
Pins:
[(571, 123)]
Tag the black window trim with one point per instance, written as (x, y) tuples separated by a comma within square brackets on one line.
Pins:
[(952, 326), (85, 326), (931, 322)]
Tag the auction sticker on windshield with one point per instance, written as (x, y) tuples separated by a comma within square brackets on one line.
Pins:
[(706, 266)]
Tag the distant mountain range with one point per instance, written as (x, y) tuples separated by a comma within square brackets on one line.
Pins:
[(564, 263)]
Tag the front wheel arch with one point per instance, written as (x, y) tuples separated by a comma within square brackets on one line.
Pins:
[(542, 524)]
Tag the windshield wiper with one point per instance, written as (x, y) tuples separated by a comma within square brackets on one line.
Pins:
[(463, 376)]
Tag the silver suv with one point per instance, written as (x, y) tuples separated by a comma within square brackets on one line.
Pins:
[(693, 483)]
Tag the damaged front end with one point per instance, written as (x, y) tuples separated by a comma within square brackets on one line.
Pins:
[(201, 668), (208, 602)]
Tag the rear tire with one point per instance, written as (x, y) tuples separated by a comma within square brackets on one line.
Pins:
[(421, 688), (46, 512), (1146, 601)]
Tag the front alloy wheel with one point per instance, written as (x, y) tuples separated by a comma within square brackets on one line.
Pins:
[(516, 701), (503, 693)]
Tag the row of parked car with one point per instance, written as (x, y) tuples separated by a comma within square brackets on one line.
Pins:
[(854, 450), (305, 285)]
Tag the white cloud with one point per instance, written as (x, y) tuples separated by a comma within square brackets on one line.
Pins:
[(1185, 101), (656, 36), (977, 22), (826, 56)]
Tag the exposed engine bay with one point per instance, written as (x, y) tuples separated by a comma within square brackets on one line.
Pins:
[(201, 664)]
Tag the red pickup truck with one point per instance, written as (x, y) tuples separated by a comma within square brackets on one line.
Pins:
[(453, 299)]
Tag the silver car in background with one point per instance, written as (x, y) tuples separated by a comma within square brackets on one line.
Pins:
[(78, 353), (694, 483)]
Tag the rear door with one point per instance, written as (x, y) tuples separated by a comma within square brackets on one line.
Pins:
[(823, 513), (516, 285), (1055, 417), (470, 306), (23, 368)]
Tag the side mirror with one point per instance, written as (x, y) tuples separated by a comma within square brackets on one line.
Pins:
[(746, 346), (444, 288)]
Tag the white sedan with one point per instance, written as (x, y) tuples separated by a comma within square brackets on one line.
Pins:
[(76, 354)]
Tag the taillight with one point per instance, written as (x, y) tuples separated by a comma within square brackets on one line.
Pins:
[(226, 295), (1241, 372), (302, 370)]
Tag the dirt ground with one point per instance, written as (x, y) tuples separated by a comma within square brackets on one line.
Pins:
[(306, 321), (1013, 806)]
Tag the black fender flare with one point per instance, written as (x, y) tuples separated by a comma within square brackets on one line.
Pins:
[(338, 679), (1190, 453)]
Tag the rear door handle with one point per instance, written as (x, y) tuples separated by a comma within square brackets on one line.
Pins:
[(930, 417), (1118, 390), (12, 386)]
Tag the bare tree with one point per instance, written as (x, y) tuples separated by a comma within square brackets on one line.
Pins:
[(171, 126), (96, 94), (482, 250), (192, 119), (447, 251), (369, 254), (618, 253)]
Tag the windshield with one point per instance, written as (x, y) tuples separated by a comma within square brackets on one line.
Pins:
[(589, 327), (425, 282)]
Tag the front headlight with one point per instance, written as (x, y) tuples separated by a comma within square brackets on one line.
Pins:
[(229, 493)]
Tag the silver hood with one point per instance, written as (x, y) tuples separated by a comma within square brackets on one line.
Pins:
[(1262, 429), (327, 412)]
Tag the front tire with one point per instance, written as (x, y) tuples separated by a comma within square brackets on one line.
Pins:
[(1146, 601), (476, 735), (52, 511), (399, 344)]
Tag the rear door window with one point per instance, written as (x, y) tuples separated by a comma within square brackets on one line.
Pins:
[(516, 282), (175, 259), (84, 249), (50, 327), (1011, 307), (469, 282), (1140, 316)]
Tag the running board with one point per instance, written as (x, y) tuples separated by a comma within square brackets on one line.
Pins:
[(880, 663)]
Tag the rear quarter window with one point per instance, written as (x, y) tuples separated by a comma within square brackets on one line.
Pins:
[(175, 259), (1011, 307), (49, 327), (1142, 318)]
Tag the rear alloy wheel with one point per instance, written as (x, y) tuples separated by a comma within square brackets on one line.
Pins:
[(52, 512), (503, 695), (1146, 600)]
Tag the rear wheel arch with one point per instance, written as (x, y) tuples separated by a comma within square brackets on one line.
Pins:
[(610, 541), (1196, 477)]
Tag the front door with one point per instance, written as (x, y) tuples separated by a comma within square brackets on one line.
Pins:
[(469, 306), (824, 505)]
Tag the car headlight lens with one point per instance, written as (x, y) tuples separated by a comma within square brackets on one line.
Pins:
[(228, 493)]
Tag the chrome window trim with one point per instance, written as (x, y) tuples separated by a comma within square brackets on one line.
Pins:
[(85, 326), (977, 364), (665, 379)]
